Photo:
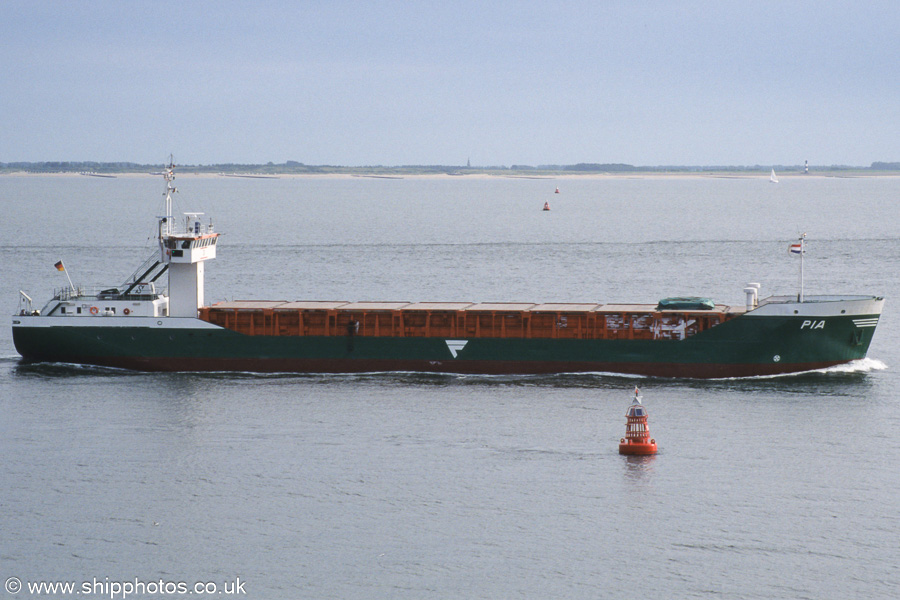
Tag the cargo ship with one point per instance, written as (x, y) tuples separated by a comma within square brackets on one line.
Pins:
[(140, 326)]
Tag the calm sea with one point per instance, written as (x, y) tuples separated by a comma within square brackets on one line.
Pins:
[(406, 486)]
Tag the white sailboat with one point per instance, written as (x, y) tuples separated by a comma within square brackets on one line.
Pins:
[(772, 177)]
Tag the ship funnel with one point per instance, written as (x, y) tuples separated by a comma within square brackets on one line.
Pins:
[(752, 293)]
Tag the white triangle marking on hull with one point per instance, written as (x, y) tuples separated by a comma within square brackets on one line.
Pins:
[(456, 345)]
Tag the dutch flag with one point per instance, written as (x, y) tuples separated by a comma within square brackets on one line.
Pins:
[(796, 248)]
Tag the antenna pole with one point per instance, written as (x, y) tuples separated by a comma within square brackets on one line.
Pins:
[(71, 285), (802, 252)]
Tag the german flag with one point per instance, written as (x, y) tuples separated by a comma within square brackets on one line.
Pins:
[(59, 266)]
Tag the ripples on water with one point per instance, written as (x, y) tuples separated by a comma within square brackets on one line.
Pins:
[(405, 485)]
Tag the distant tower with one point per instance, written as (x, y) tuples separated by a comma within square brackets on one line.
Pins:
[(468, 163), (185, 251), (806, 167)]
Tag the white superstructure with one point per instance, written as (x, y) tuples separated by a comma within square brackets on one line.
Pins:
[(184, 246)]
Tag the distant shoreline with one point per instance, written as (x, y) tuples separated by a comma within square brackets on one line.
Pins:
[(580, 170), (861, 174)]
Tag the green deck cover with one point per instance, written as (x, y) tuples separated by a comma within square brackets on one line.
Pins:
[(686, 304)]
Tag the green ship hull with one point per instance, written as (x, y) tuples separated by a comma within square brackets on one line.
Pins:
[(743, 346)]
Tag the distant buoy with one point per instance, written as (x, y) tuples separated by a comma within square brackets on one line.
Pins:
[(637, 440), (557, 191), (546, 206)]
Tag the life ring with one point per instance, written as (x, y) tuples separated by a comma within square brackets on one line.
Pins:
[(94, 310), (126, 311)]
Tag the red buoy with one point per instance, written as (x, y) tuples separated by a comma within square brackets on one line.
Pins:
[(546, 206), (637, 438), (557, 191)]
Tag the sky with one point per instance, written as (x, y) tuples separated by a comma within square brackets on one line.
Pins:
[(495, 82)]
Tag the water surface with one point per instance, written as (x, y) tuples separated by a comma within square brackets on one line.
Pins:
[(442, 486)]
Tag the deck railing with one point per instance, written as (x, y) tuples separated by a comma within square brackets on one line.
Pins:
[(807, 299), (103, 293)]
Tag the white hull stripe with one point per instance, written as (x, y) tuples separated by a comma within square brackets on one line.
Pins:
[(114, 322), (870, 322)]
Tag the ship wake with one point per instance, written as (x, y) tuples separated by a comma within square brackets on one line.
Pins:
[(863, 365)]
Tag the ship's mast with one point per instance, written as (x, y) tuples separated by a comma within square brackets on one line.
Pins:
[(169, 175)]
